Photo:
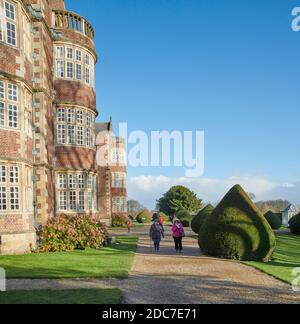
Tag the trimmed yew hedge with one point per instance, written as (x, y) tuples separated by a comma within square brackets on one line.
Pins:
[(199, 219), (273, 220), (237, 230), (295, 224)]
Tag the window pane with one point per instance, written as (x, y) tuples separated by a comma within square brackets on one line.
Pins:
[(73, 200), (87, 76), (71, 116), (71, 134), (10, 10), (70, 70), (80, 135), (81, 181), (90, 200), (11, 33), (80, 117), (14, 198), (72, 181), (78, 55), (70, 53), (2, 90), (3, 198), (61, 116), (12, 116), (78, 72), (1, 30), (61, 134), (63, 181), (90, 182), (59, 52), (63, 200), (2, 174), (2, 114), (60, 69), (12, 92), (14, 175), (81, 200)]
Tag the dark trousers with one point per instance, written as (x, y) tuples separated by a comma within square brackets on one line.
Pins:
[(178, 243), (156, 245)]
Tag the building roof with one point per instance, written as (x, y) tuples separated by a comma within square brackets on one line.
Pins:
[(103, 127), (292, 208)]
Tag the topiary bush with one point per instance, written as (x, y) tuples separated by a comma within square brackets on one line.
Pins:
[(200, 218), (185, 217), (237, 230), (119, 221), (273, 220), (185, 223), (294, 224), (69, 233), (144, 217)]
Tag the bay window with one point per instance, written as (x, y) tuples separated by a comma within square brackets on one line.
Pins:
[(76, 191), (74, 63)]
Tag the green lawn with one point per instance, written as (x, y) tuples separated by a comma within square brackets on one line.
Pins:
[(81, 296), (112, 262), (285, 258)]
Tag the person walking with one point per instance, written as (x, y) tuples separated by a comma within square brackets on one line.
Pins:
[(178, 234), (156, 234), (129, 225)]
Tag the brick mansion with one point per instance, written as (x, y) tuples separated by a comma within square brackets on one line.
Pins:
[(49, 138)]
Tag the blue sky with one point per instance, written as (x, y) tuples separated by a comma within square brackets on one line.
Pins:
[(229, 68)]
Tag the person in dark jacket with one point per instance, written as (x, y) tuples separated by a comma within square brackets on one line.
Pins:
[(156, 234)]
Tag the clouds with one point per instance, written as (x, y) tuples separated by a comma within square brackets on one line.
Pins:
[(147, 189)]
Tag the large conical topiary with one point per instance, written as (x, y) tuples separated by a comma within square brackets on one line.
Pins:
[(273, 220), (200, 218), (237, 230)]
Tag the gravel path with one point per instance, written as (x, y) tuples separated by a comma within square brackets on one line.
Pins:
[(190, 278)]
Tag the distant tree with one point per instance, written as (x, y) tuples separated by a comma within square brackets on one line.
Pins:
[(134, 207), (179, 198), (276, 206)]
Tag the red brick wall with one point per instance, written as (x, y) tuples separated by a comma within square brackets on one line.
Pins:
[(10, 144), (70, 35), (119, 192), (57, 4), (75, 157), (11, 223), (8, 62), (75, 93)]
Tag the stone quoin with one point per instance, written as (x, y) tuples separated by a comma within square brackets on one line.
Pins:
[(48, 131)]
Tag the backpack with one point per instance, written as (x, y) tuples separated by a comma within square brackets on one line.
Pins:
[(156, 231)]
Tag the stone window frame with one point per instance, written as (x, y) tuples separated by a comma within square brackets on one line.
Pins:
[(10, 188), (7, 19), (119, 204), (118, 180), (73, 120), (9, 105), (74, 192), (78, 67)]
